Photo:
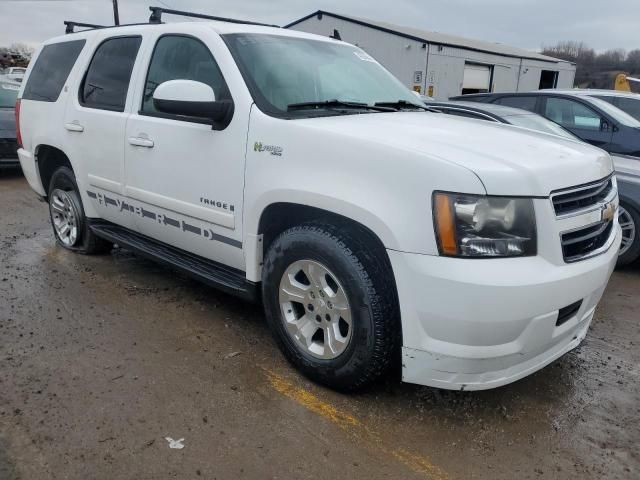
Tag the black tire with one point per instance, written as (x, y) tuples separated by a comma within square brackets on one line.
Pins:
[(367, 279), (633, 253), (87, 242)]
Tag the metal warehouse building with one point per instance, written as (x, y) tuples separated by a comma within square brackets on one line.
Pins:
[(442, 65)]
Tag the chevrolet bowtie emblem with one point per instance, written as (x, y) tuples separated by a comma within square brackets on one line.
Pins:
[(608, 211)]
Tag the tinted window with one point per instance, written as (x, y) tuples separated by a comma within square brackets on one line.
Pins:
[(607, 98), (526, 103), (51, 70), (106, 83), (182, 58), (630, 106), (571, 114)]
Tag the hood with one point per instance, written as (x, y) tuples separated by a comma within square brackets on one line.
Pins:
[(507, 159), (7, 123)]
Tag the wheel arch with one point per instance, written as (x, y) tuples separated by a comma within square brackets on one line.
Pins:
[(48, 159), (280, 216)]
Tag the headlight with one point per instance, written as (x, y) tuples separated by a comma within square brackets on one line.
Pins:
[(481, 226)]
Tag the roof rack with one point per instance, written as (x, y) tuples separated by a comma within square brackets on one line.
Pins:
[(156, 17), (72, 25)]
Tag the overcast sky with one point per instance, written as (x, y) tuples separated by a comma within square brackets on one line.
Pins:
[(522, 23)]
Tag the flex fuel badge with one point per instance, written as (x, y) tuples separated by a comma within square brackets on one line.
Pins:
[(272, 149)]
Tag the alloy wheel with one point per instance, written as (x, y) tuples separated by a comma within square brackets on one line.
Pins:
[(315, 309), (65, 217)]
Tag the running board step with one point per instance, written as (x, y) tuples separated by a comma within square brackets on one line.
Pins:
[(220, 276)]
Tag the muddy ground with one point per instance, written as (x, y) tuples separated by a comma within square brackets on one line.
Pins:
[(103, 357)]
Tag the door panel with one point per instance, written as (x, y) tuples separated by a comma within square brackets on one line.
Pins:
[(188, 177), (95, 121)]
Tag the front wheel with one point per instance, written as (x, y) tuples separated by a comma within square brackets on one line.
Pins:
[(331, 305), (629, 220)]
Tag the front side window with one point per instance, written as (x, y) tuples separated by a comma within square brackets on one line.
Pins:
[(51, 70), (571, 114), (282, 71), (106, 82), (178, 57)]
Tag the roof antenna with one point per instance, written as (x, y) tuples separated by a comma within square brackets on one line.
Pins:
[(336, 34)]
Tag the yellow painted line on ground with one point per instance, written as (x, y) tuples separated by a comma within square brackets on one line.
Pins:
[(354, 427)]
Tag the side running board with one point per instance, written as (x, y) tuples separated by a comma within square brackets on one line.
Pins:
[(220, 276)]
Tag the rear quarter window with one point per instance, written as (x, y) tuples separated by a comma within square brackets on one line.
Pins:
[(51, 70)]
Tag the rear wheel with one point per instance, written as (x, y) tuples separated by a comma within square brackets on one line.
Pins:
[(629, 220), (330, 302), (70, 225)]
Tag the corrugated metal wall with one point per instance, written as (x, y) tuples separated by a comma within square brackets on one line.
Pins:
[(437, 66)]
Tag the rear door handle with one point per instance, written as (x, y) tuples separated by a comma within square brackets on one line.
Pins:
[(141, 142), (74, 127)]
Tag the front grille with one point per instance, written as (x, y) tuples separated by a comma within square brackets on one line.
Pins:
[(580, 198), (8, 148), (581, 243), (567, 313)]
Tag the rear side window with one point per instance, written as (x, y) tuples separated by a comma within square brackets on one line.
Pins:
[(525, 103), (106, 82), (178, 57), (51, 71), (630, 106)]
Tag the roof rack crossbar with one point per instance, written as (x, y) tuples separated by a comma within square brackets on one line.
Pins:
[(156, 17), (71, 25)]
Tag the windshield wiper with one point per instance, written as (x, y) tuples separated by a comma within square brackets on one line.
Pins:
[(403, 104), (331, 104)]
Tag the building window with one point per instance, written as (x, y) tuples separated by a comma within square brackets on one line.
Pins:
[(548, 79)]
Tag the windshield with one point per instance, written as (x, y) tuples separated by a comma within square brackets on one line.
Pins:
[(615, 113), (536, 122), (8, 94), (283, 71)]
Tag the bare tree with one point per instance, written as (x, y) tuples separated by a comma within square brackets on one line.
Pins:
[(632, 63), (26, 51)]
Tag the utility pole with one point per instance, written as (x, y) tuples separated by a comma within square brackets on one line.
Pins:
[(116, 16)]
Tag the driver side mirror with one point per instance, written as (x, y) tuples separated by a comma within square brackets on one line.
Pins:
[(189, 98)]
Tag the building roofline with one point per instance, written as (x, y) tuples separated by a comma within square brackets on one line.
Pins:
[(419, 39)]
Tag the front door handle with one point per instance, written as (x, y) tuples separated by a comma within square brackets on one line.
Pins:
[(141, 142), (74, 127)]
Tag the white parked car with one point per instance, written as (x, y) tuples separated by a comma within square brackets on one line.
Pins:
[(15, 73), (294, 168)]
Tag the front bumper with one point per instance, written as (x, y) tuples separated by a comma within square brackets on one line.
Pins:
[(471, 324)]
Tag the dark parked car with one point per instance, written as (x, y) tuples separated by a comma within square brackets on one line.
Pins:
[(8, 145), (501, 114), (599, 123)]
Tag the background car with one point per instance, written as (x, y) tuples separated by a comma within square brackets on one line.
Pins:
[(501, 114), (8, 145), (628, 102), (15, 74), (601, 124)]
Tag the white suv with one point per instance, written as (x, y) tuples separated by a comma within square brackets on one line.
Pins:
[(294, 168)]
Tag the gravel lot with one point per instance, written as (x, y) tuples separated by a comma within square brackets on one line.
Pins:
[(101, 358)]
